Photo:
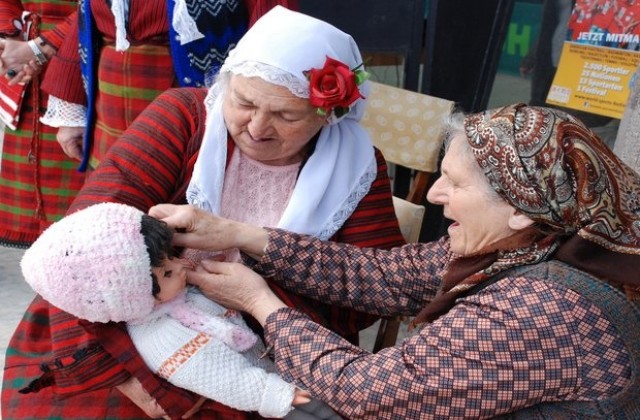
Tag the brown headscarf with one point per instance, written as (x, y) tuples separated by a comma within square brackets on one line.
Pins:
[(553, 169)]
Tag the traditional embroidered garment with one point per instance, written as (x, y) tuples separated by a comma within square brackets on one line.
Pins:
[(37, 180), (128, 81), (223, 24), (152, 163)]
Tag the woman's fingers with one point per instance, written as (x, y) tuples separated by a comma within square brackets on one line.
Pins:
[(70, 140)]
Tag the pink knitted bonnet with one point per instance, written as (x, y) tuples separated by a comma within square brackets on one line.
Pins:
[(93, 264)]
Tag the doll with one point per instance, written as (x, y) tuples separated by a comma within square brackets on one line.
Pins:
[(111, 262)]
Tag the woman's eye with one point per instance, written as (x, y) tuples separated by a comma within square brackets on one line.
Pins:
[(245, 105), (168, 273), (290, 117)]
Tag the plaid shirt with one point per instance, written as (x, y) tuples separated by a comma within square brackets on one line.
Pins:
[(518, 342)]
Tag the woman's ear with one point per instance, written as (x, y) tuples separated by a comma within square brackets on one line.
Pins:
[(519, 221)]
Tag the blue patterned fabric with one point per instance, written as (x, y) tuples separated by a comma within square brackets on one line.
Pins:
[(223, 23), (87, 57)]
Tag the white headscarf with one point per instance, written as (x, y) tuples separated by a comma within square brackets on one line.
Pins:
[(279, 48)]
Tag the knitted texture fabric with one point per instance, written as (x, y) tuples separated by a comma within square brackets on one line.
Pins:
[(196, 312), (203, 362), (93, 264)]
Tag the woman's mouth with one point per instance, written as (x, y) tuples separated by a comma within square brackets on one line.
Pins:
[(257, 139), (452, 226)]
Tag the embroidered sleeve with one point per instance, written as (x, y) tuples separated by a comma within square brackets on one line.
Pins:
[(150, 162)]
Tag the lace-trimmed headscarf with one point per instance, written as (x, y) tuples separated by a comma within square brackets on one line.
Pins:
[(279, 48), (585, 202)]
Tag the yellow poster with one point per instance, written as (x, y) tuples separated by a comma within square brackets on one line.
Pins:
[(599, 57)]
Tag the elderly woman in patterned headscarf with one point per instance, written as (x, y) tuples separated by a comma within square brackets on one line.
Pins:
[(528, 306)]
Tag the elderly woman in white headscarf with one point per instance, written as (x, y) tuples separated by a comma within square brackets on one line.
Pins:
[(276, 142)]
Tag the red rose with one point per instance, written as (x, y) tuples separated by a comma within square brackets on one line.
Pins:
[(333, 86)]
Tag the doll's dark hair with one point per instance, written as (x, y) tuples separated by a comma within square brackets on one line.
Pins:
[(157, 237)]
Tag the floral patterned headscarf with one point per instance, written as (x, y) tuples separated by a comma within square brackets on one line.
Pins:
[(551, 167), (584, 200)]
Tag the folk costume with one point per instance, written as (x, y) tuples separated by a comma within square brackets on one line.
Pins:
[(543, 325), (37, 180), (96, 265), (152, 163), (130, 52)]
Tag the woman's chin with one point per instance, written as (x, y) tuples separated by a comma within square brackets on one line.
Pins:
[(455, 239)]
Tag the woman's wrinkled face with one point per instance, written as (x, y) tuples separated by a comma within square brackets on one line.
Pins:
[(172, 278), (479, 216), (267, 122)]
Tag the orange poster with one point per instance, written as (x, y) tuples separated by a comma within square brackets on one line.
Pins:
[(599, 57)]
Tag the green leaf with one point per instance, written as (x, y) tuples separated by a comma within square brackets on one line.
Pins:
[(362, 76)]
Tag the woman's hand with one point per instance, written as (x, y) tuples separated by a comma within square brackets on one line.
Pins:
[(70, 139), (18, 63), (236, 286), (201, 230)]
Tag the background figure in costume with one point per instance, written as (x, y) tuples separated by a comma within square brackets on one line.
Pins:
[(37, 180), (131, 52), (254, 149), (111, 262)]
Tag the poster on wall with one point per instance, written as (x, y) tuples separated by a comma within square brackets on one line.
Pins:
[(599, 57)]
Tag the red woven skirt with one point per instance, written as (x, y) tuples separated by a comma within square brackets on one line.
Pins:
[(127, 82), (37, 180)]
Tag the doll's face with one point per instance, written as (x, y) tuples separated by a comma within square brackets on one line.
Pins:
[(172, 278)]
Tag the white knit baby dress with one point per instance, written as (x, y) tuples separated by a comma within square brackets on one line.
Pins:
[(204, 364)]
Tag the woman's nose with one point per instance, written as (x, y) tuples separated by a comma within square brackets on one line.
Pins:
[(260, 125), (437, 194)]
